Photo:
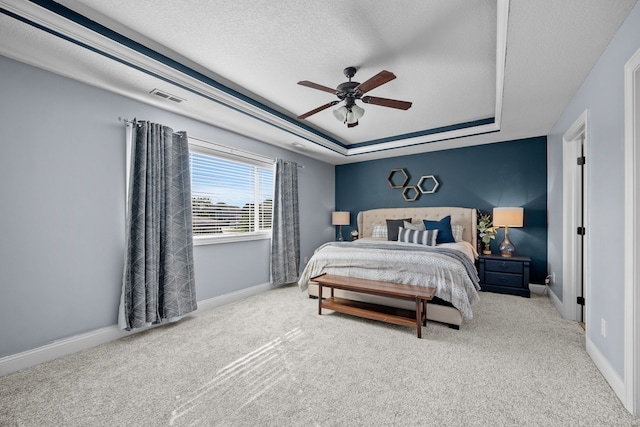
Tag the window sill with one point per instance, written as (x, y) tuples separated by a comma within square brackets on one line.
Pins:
[(214, 240)]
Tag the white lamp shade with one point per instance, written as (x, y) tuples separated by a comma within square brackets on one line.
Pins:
[(340, 218), (356, 112), (340, 113), (508, 217), (348, 116)]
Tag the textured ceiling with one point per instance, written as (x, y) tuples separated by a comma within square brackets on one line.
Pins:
[(468, 67), (266, 47)]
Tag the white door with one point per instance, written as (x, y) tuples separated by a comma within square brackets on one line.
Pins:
[(632, 233), (580, 230), (574, 163)]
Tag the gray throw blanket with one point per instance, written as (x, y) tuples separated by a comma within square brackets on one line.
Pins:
[(449, 270)]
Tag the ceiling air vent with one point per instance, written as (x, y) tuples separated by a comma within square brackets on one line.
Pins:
[(166, 95)]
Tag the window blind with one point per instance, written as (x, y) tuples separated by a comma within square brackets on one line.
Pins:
[(231, 198)]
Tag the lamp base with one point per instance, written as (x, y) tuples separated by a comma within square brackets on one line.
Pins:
[(506, 248)]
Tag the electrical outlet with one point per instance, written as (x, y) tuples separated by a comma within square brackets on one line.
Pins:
[(603, 327)]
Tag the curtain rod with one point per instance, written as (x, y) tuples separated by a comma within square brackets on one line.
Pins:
[(126, 121), (231, 150), (298, 165)]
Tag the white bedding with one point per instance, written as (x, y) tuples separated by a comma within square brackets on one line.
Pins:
[(447, 267)]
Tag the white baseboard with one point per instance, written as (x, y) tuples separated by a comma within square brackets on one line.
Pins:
[(556, 302), (64, 347), (615, 381), (537, 289), (225, 299), (607, 371)]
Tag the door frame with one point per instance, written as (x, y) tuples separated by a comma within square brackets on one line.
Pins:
[(632, 233), (570, 220)]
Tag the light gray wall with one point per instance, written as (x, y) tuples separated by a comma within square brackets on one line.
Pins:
[(602, 94), (62, 193)]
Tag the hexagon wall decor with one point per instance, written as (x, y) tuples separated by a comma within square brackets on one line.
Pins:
[(428, 184), (404, 177), (408, 189)]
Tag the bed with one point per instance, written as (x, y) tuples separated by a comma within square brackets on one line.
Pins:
[(450, 267)]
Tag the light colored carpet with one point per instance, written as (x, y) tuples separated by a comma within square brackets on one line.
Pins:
[(271, 360)]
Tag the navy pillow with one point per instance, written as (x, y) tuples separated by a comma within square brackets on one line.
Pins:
[(445, 235), (392, 228)]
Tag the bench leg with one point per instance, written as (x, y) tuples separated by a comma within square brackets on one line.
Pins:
[(319, 298), (419, 317), (424, 313)]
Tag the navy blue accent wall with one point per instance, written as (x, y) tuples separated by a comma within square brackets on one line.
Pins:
[(510, 173)]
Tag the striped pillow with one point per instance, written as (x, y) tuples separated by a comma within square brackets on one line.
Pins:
[(427, 237)]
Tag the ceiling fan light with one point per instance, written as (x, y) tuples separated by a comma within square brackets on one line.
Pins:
[(349, 115), (353, 114), (357, 111), (341, 113)]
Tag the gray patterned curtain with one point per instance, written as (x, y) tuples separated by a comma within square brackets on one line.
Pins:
[(158, 282), (285, 241)]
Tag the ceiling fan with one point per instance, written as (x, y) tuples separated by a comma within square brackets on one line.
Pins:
[(350, 92)]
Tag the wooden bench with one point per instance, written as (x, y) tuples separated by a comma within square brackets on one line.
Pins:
[(419, 294)]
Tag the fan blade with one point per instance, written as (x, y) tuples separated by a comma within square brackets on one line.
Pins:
[(393, 103), (351, 125), (317, 110), (379, 79), (313, 85)]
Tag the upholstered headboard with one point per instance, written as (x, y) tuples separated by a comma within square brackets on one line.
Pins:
[(465, 217)]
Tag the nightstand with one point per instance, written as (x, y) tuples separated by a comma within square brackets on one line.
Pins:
[(505, 275)]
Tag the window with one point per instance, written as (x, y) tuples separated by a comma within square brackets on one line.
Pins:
[(231, 194)]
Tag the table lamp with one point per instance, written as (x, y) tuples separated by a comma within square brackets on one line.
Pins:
[(507, 217), (340, 218)]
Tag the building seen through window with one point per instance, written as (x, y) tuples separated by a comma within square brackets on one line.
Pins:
[(230, 197)]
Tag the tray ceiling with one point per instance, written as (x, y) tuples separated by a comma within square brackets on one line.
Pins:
[(476, 72)]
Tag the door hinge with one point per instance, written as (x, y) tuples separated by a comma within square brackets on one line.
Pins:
[(582, 160), (582, 231), (580, 300)]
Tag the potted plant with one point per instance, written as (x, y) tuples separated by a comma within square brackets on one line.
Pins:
[(486, 231)]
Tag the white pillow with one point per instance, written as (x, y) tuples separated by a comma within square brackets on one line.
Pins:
[(417, 226), (379, 231), (457, 230), (426, 237)]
